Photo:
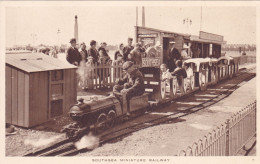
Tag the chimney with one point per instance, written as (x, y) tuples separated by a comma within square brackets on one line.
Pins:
[(143, 17), (76, 30)]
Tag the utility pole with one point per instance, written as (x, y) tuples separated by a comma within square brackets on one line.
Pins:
[(200, 18), (143, 17), (76, 29), (136, 16)]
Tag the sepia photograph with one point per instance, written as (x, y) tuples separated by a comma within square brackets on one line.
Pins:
[(152, 81)]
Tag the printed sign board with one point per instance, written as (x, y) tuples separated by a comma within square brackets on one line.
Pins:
[(151, 62), (148, 35), (148, 41)]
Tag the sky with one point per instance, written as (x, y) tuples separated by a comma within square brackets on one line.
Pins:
[(115, 24)]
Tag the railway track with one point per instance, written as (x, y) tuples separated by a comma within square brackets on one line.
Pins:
[(66, 147)]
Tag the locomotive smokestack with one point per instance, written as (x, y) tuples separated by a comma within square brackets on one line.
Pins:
[(143, 17), (76, 29)]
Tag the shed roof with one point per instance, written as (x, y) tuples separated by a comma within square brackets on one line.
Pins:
[(36, 62), (198, 39), (164, 31)]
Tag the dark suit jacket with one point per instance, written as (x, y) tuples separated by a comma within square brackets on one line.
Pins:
[(174, 55), (73, 55), (94, 53)]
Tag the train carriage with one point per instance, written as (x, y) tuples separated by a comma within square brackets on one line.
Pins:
[(203, 51), (206, 64)]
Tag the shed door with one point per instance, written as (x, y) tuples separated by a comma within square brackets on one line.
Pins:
[(56, 92)]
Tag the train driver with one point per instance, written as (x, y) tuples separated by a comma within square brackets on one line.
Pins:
[(131, 85)]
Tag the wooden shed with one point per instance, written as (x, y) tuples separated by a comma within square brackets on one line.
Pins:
[(38, 88)]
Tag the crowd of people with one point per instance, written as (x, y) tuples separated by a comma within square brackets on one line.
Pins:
[(86, 59)]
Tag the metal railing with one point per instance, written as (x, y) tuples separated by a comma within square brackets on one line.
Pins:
[(247, 59), (228, 138)]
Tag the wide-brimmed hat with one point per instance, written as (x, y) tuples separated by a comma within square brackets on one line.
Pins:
[(72, 40)]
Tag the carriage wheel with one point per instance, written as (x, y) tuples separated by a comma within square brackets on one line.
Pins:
[(163, 89), (192, 82), (185, 87), (101, 123), (174, 86), (212, 78), (111, 118), (202, 81)]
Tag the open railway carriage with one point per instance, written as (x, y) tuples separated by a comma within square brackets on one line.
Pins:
[(203, 52)]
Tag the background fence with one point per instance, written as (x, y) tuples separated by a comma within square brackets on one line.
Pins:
[(100, 75), (228, 138)]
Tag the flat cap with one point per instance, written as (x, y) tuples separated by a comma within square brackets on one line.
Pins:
[(130, 39), (72, 40), (127, 65)]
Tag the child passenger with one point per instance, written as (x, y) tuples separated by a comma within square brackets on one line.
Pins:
[(166, 75)]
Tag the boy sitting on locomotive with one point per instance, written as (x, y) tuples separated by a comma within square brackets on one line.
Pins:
[(131, 85)]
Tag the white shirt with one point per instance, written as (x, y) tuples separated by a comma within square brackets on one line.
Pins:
[(189, 72)]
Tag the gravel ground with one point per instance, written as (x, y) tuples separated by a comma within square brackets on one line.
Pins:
[(26, 141)]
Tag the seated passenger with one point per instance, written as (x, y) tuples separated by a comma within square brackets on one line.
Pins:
[(189, 71), (131, 85), (166, 75), (179, 72)]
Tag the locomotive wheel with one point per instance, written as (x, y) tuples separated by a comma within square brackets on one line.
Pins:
[(174, 86), (163, 89), (111, 118), (101, 123)]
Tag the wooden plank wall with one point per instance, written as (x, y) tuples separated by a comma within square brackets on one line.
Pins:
[(38, 99), (8, 94), (17, 92), (14, 92), (70, 95)]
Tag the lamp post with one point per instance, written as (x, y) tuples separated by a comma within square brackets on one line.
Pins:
[(58, 34), (33, 38), (188, 23)]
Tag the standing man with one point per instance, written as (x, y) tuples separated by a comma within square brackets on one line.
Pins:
[(92, 51), (73, 55), (174, 55), (127, 49)]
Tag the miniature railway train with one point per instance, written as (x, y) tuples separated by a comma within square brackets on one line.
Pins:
[(102, 113)]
